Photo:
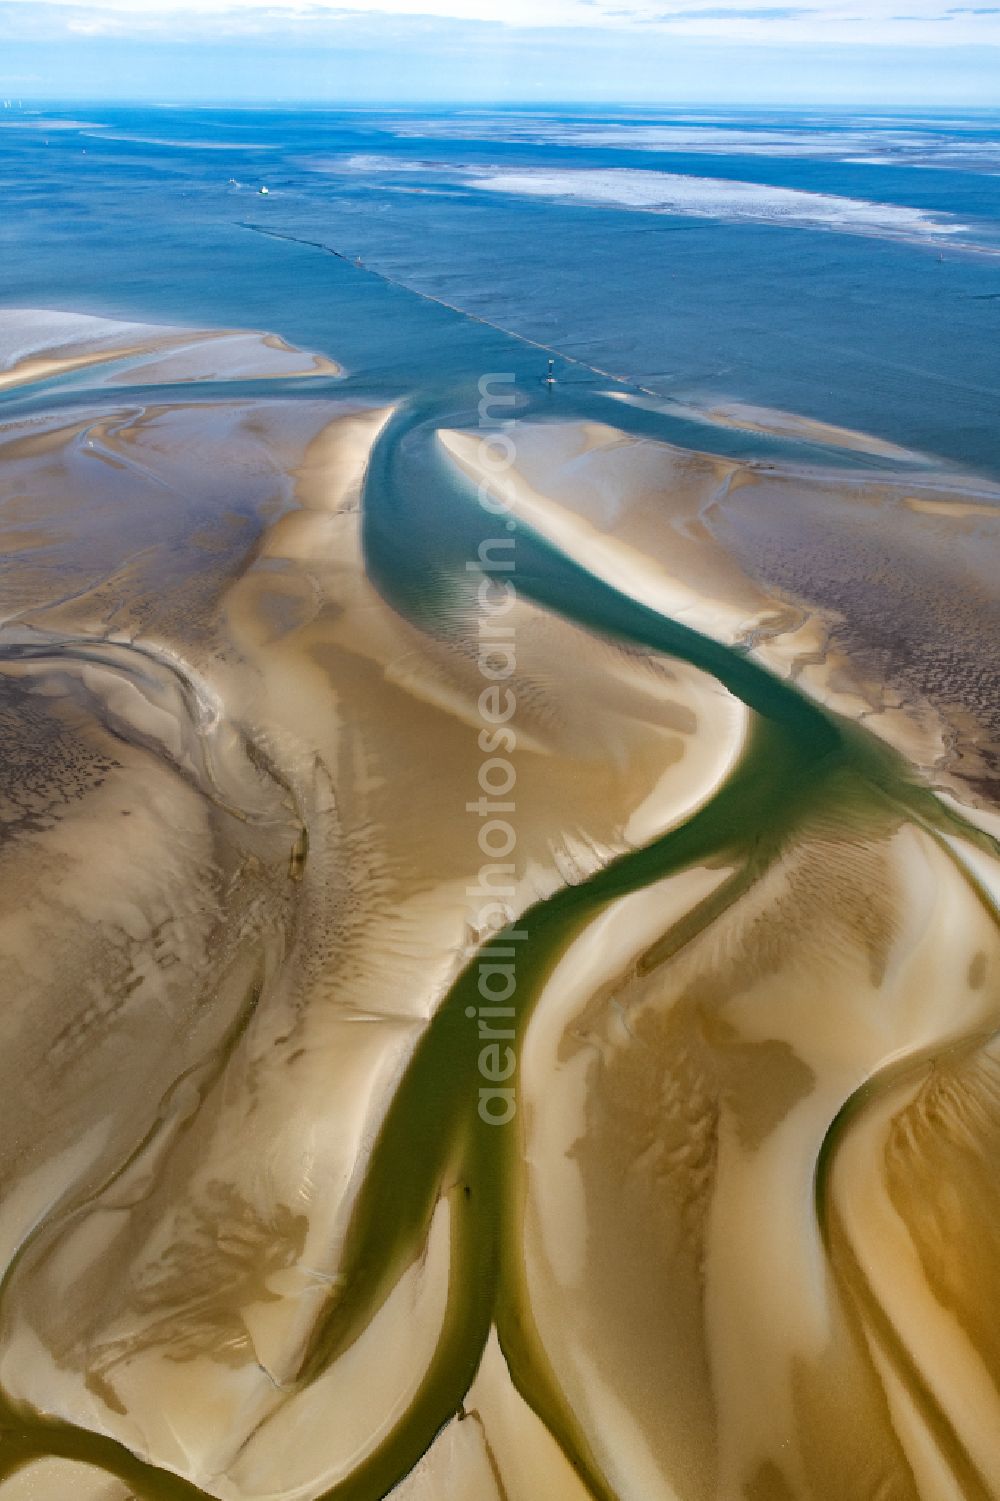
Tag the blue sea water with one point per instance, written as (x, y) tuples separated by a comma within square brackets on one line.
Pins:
[(157, 214)]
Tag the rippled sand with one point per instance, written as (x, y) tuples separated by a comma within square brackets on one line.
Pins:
[(738, 1239)]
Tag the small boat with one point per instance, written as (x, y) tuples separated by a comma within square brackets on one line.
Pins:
[(264, 192)]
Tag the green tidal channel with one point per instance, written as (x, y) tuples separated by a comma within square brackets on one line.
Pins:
[(422, 524)]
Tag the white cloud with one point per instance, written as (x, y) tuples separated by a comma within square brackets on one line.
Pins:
[(814, 22)]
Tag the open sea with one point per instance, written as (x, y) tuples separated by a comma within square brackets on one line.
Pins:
[(845, 268)]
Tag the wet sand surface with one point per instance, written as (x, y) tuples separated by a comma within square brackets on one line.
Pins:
[(256, 1237)]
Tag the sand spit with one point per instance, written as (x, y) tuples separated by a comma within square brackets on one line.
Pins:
[(829, 577), (256, 1239), (756, 419), (37, 345)]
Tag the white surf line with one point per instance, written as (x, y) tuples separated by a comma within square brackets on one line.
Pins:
[(390, 281)]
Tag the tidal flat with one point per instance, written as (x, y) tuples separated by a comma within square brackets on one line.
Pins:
[(735, 962)]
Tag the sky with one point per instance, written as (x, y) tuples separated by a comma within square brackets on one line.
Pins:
[(904, 53)]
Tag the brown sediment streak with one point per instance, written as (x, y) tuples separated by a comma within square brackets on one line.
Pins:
[(490, 1456), (256, 1239)]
